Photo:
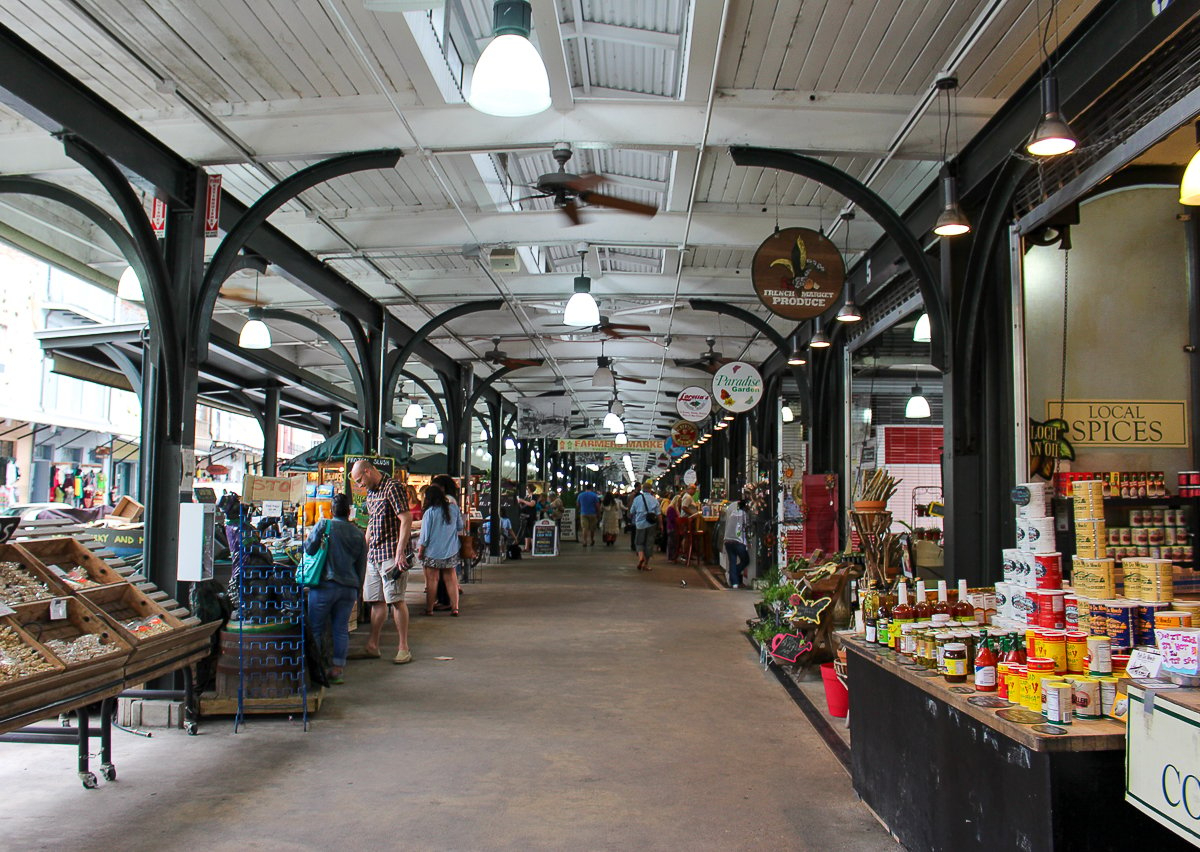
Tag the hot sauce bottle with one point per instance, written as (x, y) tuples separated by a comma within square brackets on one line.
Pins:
[(883, 621), (902, 614), (1012, 651), (985, 665), (963, 610), (921, 604), (942, 605)]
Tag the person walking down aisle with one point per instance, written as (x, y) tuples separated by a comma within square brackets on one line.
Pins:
[(330, 603), (736, 521), (644, 510), (437, 548), (530, 509), (588, 504), (610, 519), (389, 526), (671, 519)]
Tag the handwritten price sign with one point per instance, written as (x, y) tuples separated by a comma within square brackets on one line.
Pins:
[(260, 489), (789, 647)]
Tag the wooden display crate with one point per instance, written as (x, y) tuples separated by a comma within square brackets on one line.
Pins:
[(34, 685), (35, 619), (67, 555), (128, 509), (33, 567), (121, 603)]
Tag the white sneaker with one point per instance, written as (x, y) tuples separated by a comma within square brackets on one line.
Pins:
[(736, 586)]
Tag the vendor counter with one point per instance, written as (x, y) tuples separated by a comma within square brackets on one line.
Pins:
[(945, 774)]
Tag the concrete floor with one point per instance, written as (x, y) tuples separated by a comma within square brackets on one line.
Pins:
[(588, 706)]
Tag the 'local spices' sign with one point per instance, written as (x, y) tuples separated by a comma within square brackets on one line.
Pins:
[(1123, 423), (798, 273)]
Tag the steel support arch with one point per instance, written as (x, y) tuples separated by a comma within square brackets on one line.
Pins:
[(287, 189), (881, 212), (330, 338)]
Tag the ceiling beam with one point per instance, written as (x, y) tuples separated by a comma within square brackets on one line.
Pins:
[(819, 122)]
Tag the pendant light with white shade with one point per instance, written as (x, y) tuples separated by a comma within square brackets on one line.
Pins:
[(129, 286), (917, 406), (255, 334), (510, 78), (603, 377), (921, 332), (1189, 187), (582, 310)]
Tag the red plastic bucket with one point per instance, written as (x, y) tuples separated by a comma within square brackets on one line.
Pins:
[(837, 699)]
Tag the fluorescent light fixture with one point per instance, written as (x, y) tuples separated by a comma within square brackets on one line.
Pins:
[(921, 333), (510, 78), (1052, 136), (788, 416), (255, 334), (918, 405), (129, 286)]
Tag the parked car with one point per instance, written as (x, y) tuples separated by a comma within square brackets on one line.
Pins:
[(29, 511)]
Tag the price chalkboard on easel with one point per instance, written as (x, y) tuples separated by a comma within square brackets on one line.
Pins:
[(545, 538)]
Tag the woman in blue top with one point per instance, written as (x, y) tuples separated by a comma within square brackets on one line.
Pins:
[(437, 548), (345, 569)]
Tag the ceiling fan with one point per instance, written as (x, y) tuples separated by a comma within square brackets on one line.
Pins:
[(614, 330), (497, 356), (569, 190), (710, 361)]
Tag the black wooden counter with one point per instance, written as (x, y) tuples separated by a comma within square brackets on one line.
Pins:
[(947, 775)]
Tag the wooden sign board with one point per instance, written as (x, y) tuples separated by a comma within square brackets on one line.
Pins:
[(1123, 423), (545, 538), (567, 526), (798, 273), (260, 489)]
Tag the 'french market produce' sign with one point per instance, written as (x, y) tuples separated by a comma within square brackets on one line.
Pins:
[(602, 445), (797, 273), (737, 386), (1123, 423)]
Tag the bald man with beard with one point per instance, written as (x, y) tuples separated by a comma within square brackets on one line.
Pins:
[(389, 526)]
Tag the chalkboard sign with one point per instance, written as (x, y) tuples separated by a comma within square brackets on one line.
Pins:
[(566, 526), (805, 610), (545, 538), (789, 647)]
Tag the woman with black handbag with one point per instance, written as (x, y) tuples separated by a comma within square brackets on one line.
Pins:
[(331, 601)]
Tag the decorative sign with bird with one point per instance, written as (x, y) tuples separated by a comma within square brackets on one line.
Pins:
[(798, 273)]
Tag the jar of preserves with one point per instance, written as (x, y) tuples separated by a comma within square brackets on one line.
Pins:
[(955, 657)]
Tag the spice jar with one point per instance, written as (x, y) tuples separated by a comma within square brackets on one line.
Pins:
[(955, 658)]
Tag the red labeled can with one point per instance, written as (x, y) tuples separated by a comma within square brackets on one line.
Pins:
[(1071, 611), (1048, 608), (1048, 568)]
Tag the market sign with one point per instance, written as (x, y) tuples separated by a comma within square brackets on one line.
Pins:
[(1162, 770), (684, 433), (737, 386), (605, 445), (1123, 423), (694, 403), (1047, 446), (798, 273)]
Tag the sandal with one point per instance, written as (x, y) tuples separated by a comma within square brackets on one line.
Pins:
[(454, 612)]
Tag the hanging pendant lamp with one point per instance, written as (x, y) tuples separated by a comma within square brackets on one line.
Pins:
[(1052, 136), (820, 340), (255, 334), (918, 405), (951, 222), (1189, 187), (921, 332), (510, 78), (849, 311), (129, 286)]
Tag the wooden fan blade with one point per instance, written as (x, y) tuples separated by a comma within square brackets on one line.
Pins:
[(630, 379), (571, 210), (233, 294), (626, 326), (514, 363), (531, 197), (599, 200), (608, 331)]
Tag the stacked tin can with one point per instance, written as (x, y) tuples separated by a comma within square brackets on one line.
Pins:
[(1153, 532), (1031, 591)]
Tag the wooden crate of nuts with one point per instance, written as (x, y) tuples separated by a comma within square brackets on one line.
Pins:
[(73, 564), (82, 639), (23, 579), (145, 625), (25, 665)]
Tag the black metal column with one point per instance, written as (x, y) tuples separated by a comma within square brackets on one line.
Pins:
[(496, 432), (271, 431), (1192, 232)]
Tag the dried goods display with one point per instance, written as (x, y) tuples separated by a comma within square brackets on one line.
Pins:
[(78, 578), (80, 649), (17, 586), (18, 659), (146, 627)]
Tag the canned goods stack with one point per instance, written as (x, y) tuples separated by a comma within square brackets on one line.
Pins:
[(1091, 535), (1149, 579), (1189, 483), (1153, 532), (1094, 578)]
